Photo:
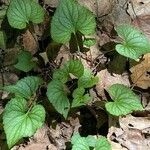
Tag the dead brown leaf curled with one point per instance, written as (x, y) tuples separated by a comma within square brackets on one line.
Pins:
[(29, 42), (141, 73)]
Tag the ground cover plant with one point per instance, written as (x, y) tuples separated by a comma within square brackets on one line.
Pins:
[(46, 89)]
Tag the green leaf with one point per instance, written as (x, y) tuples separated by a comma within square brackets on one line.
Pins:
[(89, 42), (85, 143), (79, 97), (91, 140), (25, 62), (19, 122), (69, 18), (25, 87), (79, 143), (61, 75), (125, 101), (57, 95), (74, 67), (102, 144), (21, 12), (134, 42), (3, 39), (87, 80), (3, 10)]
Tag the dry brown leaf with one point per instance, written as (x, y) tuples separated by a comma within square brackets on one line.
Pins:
[(118, 14), (141, 73), (63, 55), (117, 146), (61, 134), (75, 123), (139, 8), (29, 42), (132, 139), (11, 55), (129, 121), (52, 3), (143, 23), (8, 78), (100, 7)]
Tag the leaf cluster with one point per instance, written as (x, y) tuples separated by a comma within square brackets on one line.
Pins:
[(89, 142), (57, 91)]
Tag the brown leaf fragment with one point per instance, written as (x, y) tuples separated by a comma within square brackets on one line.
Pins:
[(132, 139), (143, 23), (138, 8), (141, 73), (29, 42), (129, 121)]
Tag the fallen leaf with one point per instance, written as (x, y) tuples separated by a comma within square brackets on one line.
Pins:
[(143, 23), (138, 8), (52, 3), (61, 134), (117, 146), (29, 42), (129, 121), (132, 139), (141, 73)]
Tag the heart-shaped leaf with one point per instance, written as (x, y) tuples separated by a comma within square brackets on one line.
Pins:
[(89, 142), (21, 12), (102, 144), (69, 18), (57, 95), (134, 42), (74, 67), (79, 98), (89, 42), (87, 80), (125, 101), (25, 62), (61, 75), (79, 142), (25, 87), (21, 122)]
